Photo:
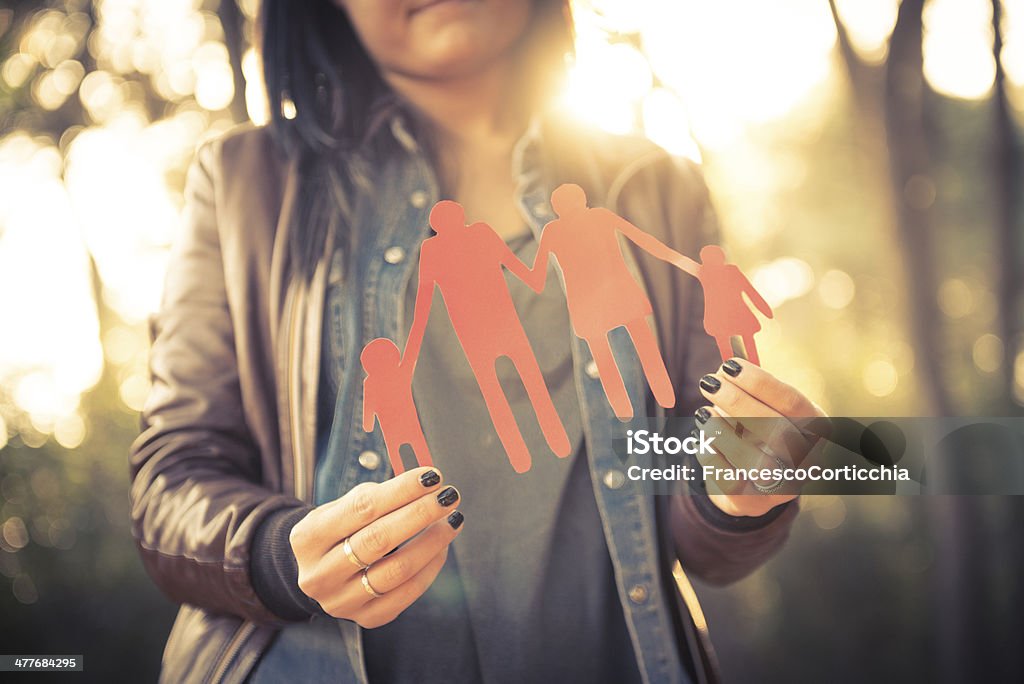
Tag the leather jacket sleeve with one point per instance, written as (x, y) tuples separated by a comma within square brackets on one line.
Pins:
[(196, 500)]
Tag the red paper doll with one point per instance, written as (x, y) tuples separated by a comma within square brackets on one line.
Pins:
[(601, 292), (725, 312), (466, 264), (387, 394)]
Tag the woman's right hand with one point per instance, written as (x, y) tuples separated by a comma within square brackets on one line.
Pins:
[(376, 519)]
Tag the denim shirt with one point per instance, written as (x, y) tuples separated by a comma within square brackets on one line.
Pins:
[(391, 221)]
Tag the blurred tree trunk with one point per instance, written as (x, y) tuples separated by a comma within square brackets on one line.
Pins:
[(890, 102), (1005, 187), (913, 191), (1006, 182)]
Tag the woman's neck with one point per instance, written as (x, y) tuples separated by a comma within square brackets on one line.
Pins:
[(475, 125), (465, 112)]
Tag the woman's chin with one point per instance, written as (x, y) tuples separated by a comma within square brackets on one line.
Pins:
[(451, 61), (457, 48)]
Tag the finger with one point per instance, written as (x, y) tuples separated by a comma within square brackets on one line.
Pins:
[(736, 404), (396, 569), (747, 413), (745, 453), (739, 451), (393, 570), (384, 534), (324, 527), (381, 611), (743, 412), (748, 448), (762, 385)]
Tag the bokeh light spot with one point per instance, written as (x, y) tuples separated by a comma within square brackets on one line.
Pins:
[(880, 377), (836, 289), (955, 298), (987, 353)]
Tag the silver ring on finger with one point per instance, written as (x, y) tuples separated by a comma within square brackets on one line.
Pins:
[(367, 586), (774, 485), (346, 546)]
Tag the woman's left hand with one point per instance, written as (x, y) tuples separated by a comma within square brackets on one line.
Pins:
[(757, 419)]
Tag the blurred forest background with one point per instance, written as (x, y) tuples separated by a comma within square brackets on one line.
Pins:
[(864, 158)]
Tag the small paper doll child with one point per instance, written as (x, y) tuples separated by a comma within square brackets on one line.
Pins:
[(725, 311), (387, 395)]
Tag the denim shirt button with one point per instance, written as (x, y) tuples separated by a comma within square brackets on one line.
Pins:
[(418, 199), (394, 255), (638, 593), (591, 370), (614, 479), (369, 460)]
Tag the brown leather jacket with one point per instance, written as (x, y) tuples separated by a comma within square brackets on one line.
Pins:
[(228, 429)]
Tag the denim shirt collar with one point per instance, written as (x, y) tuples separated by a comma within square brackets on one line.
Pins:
[(533, 187)]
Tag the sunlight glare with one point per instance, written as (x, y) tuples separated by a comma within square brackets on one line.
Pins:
[(606, 83), (869, 24), (731, 68), (958, 59), (116, 180), (783, 279), (665, 122), (56, 355)]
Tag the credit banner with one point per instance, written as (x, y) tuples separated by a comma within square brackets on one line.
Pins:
[(836, 455)]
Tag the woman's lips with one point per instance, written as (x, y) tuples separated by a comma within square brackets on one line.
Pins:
[(431, 4)]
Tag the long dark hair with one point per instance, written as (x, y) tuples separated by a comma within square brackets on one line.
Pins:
[(323, 90)]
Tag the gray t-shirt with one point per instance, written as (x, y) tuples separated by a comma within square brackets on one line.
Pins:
[(528, 592)]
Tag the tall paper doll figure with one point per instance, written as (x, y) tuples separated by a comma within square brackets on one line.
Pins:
[(466, 264), (601, 292), (725, 312), (387, 395)]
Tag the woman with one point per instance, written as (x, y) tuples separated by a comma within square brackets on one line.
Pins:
[(260, 504)]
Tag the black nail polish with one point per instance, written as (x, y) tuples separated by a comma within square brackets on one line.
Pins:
[(448, 496), (710, 384), (732, 367), (455, 520), (702, 415), (430, 478)]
